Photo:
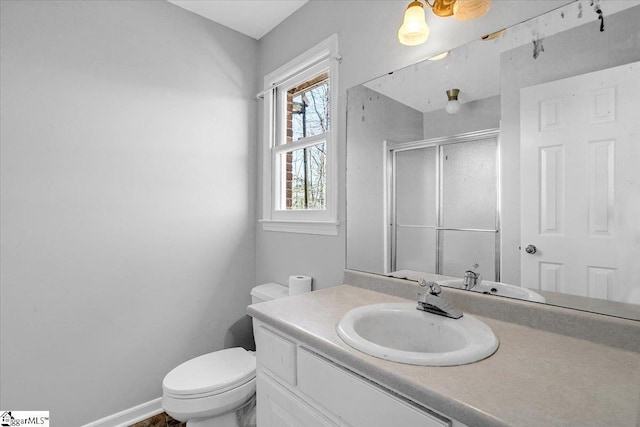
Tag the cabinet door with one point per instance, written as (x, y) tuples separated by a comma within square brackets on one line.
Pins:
[(356, 401), (277, 407)]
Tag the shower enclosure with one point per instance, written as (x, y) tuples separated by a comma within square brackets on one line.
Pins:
[(443, 205)]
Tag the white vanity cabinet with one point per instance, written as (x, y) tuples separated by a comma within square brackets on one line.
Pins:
[(298, 387)]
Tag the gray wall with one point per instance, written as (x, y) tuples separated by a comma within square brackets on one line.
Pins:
[(372, 118), (567, 54), (128, 200), (369, 48)]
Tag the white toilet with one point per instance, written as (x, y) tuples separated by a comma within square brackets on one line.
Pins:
[(217, 389)]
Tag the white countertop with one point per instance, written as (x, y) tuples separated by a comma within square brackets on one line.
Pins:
[(535, 378)]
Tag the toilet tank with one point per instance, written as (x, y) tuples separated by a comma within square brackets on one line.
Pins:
[(267, 292)]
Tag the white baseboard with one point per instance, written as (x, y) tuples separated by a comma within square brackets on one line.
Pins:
[(130, 416)]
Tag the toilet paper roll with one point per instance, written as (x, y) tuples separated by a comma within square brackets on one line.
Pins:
[(299, 284)]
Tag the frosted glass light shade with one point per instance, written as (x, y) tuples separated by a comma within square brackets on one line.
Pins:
[(453, 107), (466, 10), (414, 29)]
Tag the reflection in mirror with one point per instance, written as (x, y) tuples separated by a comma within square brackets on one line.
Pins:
[(532, 185), (444, 205)]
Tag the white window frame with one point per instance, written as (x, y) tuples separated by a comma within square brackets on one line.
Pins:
[(322, 57)]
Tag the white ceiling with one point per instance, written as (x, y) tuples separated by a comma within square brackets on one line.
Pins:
[(255, 18)]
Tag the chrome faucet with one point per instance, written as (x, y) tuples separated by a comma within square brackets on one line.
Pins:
[(431, 302), (471, 278)]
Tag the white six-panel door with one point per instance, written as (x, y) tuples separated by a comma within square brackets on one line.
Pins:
[(580, 184)]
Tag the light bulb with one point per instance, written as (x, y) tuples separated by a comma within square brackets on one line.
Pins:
[(414, 29), (466, 10), (453, 107)]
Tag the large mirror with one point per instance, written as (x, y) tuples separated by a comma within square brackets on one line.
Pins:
[(527, 185)]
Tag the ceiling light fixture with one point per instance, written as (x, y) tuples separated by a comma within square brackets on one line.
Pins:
[(466, 10), (439, 57), (453, 106), (494, 36), (414, 29)]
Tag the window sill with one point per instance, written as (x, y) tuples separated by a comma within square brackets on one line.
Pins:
[(327, 228)]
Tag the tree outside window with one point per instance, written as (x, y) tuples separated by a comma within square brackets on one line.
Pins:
[(308, 115)]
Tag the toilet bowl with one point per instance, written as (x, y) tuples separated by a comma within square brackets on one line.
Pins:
[(217, 389)]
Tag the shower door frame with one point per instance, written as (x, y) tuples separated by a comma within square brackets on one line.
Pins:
[(390, 220)]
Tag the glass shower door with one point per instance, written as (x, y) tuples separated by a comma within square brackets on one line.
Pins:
[(415, 209), (445, 208), (469, 208)]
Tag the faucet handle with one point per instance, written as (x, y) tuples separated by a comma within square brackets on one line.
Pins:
[(434, 288)]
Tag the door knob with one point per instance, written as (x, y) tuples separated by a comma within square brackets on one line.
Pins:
[(531, 249)]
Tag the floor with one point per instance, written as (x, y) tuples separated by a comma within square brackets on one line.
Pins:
[(160, 420)]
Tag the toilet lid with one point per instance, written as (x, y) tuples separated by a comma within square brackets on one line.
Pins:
[(217, 371)]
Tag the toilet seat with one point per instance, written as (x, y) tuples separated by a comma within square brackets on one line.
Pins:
[(210, 374)]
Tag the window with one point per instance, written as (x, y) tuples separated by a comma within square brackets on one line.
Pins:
[(299, 144), (303, 150)]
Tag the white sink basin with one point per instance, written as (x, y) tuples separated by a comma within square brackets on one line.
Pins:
[(401, 333), (498, 288)]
